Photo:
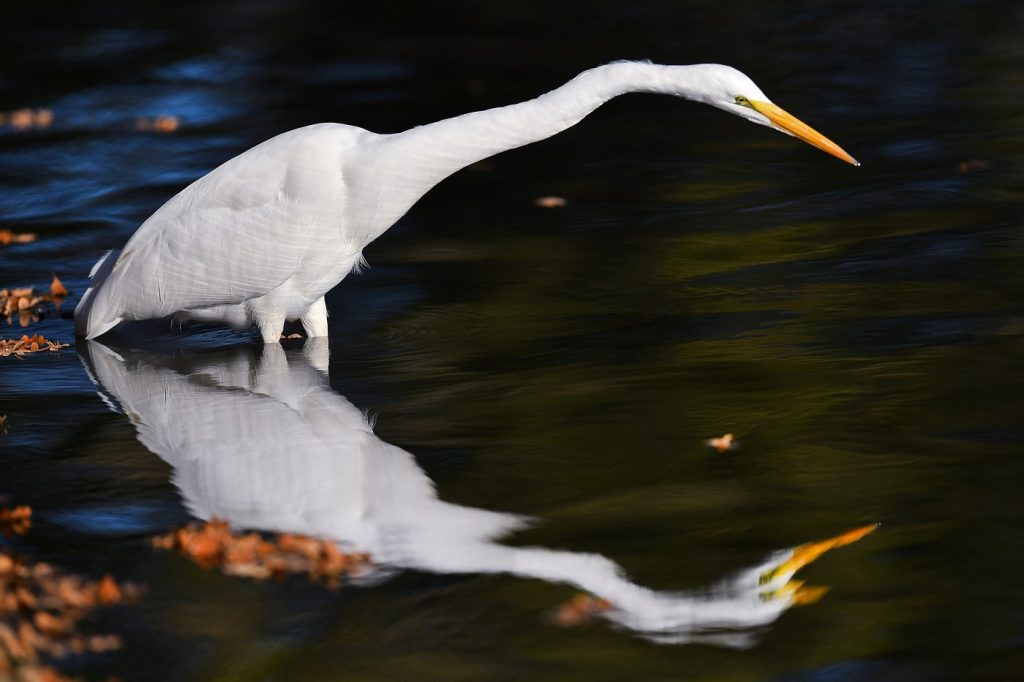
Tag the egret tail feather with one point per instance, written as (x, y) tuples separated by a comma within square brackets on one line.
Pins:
[(92, 317)]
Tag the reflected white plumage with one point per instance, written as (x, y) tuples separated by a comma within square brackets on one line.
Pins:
[(260, 239), (256, 436)]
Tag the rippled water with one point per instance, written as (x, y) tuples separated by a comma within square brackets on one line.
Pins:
[(858, 329)]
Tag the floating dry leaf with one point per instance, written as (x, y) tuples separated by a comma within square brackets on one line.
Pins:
[(15, 521), (580, 610), (25, 119), (3, 423), (57, 288), (29, 344), (723, 443), (974, 166), (28, 304), (11, 237), (160, 124), (251, 555), (549, 202)]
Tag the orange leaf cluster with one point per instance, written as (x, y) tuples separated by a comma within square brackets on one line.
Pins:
[(29, 344), (251, 555), (15, 521), (160, 124), (27, 303), (39, 613), (11, 237), (580, 610), (25, 119)]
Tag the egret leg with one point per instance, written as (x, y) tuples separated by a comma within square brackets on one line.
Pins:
[(271, 325), (315, 319)]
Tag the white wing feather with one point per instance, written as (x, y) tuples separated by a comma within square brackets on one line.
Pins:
[(236, 233)]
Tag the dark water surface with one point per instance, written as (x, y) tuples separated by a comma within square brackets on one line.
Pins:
[(859, 329)]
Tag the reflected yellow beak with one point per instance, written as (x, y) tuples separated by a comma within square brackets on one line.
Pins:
[(797, 128), (805, 554)]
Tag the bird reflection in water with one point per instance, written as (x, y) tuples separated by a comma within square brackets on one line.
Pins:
[(256, 436)]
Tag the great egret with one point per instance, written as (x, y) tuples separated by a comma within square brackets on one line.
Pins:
[(260, 239)]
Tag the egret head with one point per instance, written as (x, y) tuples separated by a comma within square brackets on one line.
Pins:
[(731, 90)]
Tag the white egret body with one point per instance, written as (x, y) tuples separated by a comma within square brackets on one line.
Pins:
[(260, 239)]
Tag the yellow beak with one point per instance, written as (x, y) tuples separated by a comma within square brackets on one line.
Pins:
[(797, 128)]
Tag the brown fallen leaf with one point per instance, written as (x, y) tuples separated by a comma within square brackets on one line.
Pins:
[(166, 124), (580, 610), (29, 344), (723, 443), (203, 548), (21, 119), (50, 624), (28, 304), (15, 521), (107, 591), (159, 124), (43, 118), (549, 202), (974, 166), (24, 119), (11, 237), (57, 288)]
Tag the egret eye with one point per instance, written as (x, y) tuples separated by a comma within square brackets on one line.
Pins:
[(743, 101)]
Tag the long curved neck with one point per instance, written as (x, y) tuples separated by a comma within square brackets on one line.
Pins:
[(393, 171)]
